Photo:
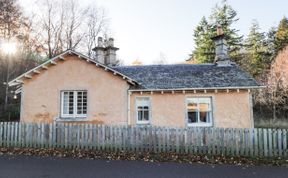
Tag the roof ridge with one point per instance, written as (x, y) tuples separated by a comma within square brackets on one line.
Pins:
[(164, 65)]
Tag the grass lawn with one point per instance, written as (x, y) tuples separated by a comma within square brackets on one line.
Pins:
[(271, 123)]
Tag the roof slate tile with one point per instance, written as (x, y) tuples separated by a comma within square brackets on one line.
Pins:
[(178, 76)]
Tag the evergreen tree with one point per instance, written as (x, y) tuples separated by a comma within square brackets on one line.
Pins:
[(281, 35), (203, 52), (271, 41), (257, 51), (225, 16)]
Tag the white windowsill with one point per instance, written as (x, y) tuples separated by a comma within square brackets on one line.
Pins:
[(69, 119), (143, 123), (200, 125)]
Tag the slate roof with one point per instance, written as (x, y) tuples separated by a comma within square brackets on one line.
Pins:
[(186, 76)]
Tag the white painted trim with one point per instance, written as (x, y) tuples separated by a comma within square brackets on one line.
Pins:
[(28, 76), (19, 90), (21, 104), (59, 119), (74, 115), (52, 61), (44, 67), (17, 82), (128, 108), (36, 71), (199, 124), (143, 122), (136, 111), (192, 89)]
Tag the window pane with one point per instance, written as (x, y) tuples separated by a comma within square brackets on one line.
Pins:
[(71, 102), (143, 108), (143, 101), (199, 110), (140, 115), (81, 102), (205, 104), (192, 117), (146, 107), (65, 102), (205, 117), (192, 106), (85, 102), (68, 102), (145, 115), (204, 107)]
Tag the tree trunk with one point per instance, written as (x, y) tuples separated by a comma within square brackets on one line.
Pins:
[(6, 85), (274, 112)]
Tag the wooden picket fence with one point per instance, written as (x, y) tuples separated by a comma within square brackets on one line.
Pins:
[(197, 140)]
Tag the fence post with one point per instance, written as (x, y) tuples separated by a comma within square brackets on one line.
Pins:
[(19, 134), (285, 142), (270, 144), (265, 142), (260, 142), (251, 136), (279, 142), (168, 139), (1, 134), (275, 142), (8, 134), (236, 140)]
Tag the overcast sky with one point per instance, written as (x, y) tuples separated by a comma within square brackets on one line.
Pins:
[(146, 29)]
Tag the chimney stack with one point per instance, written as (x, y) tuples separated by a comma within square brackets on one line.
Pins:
[(111, 42), (221, 49), (106, 52), (100, 50)]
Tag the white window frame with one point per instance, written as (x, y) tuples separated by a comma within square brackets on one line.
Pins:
[(75, 95), (149, 110), (200, 124)]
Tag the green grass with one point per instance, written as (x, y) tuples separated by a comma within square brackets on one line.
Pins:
[(271, 123)]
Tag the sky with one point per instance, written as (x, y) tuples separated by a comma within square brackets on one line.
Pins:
[(148, 30)]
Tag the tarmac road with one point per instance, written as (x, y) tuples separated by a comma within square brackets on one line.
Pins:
[(40, 167)]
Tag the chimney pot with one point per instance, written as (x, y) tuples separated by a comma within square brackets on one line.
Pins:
[(219, 30), (106, 52), (111, 42), (100, 42)]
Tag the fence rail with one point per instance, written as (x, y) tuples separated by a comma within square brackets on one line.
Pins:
[(212, 141)]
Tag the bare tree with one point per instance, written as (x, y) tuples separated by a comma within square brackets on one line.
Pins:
[(66, 24), (74, 16), (51, 26), (96, 23), (14, 28), (275, 96), (10, 17)]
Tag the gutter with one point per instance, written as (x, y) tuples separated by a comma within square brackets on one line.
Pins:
[(128, 108), (211, 88)]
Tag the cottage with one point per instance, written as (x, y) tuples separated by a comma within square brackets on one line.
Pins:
[(74, 88)]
